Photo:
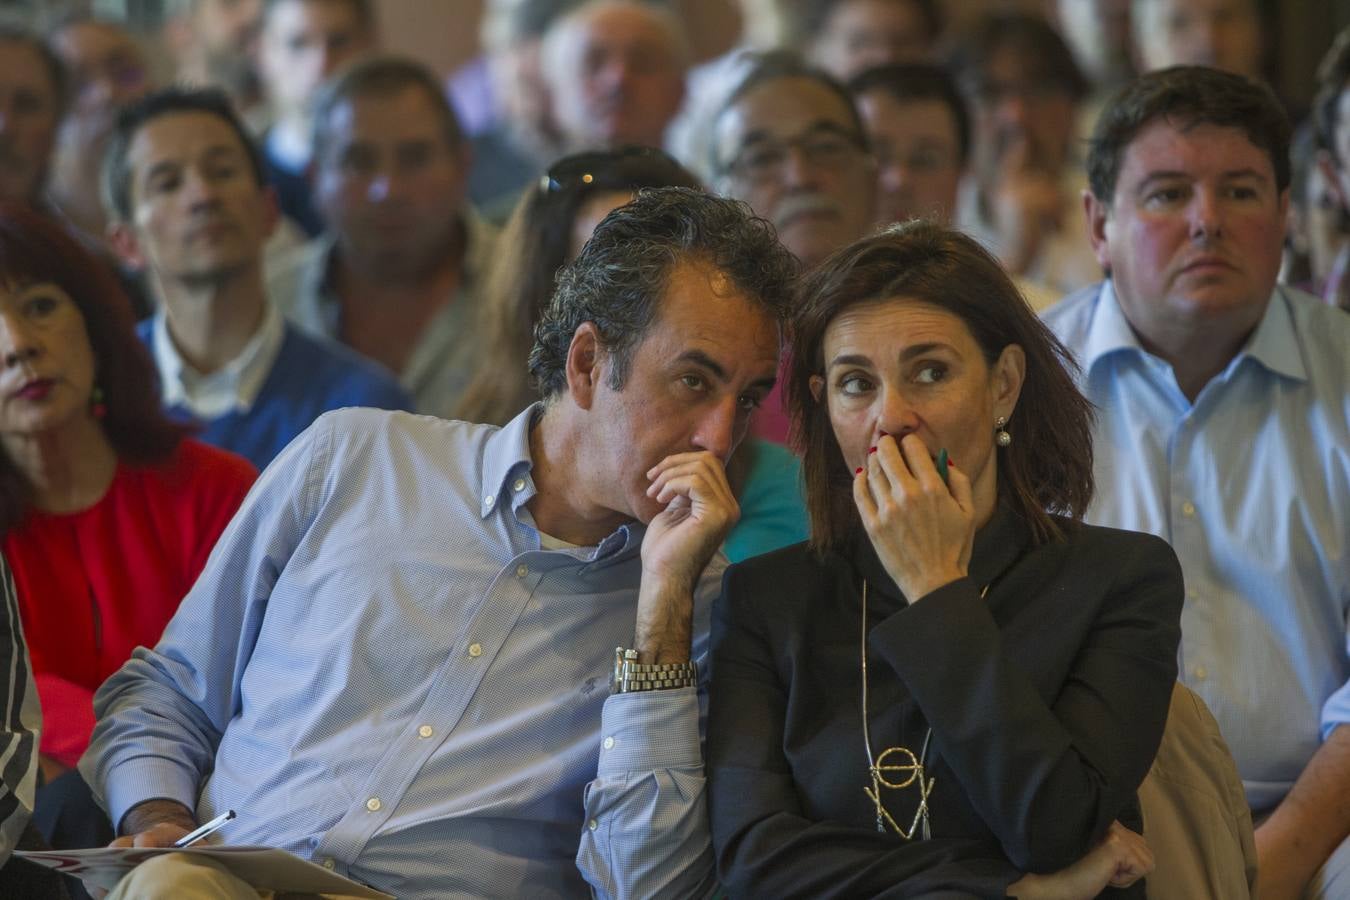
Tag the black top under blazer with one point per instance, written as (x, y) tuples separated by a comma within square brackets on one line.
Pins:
[(1047, 701)]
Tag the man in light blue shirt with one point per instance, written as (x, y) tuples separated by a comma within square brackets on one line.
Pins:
[(397, 661), (1224, 427)]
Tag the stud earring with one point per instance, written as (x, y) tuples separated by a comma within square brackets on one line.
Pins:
[(96, 403), (1001, 437)]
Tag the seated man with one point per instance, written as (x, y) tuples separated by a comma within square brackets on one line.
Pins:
[(847, 37), (302, 43), (395, 663), (1022, 200), (184, 188), (919, 129), (107, 70), (615, 71), (397, 276), (1224, 427)]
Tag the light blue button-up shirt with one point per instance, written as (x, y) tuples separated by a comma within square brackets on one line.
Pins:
[(381, 670), (1251, 485)]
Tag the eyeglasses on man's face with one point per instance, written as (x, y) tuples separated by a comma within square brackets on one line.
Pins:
[(823, 146)]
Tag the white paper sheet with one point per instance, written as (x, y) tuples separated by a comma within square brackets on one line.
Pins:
[(265, 868)]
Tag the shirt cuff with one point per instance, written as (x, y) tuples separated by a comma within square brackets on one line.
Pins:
[(139, 780), (645, 730)]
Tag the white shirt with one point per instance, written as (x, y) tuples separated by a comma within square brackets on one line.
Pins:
[(231, 388)]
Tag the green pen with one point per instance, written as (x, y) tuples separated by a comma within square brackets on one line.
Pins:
[(942, 464)]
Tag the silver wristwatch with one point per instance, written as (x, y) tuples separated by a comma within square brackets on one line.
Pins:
[(629, 675)]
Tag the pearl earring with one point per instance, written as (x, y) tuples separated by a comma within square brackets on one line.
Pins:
[(1001, 437)]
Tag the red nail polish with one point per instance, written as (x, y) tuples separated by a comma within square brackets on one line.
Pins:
[(871, 450), (858, 471), (950, 462)]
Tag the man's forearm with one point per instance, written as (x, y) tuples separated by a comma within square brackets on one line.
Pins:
[(1311, 821), (144, 816), (664, 621)]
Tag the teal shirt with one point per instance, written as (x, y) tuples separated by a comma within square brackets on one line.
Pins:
[(773, 511)]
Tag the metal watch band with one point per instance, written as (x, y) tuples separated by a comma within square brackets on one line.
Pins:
[(630, 675)]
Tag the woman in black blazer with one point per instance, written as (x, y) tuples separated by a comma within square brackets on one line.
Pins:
[(955, 685)]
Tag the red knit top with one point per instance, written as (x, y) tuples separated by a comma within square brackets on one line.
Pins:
[(95, 584)]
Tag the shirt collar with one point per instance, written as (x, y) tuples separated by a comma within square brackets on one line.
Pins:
[(232, 388), (1273, 344), (507, 463), (507, 481)]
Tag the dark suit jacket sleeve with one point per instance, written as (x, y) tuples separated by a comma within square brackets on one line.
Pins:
[(1049, 778), (765, 846)]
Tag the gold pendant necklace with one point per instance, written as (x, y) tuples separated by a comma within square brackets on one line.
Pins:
[(896, 768)]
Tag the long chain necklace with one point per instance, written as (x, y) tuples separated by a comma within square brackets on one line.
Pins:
[(896, 767)]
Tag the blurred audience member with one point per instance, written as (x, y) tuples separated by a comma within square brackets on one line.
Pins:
[(547, 230), (303, 42), (615, 70), (514, 136), (789, 142), (1331, 119), (189, 203), (1224, 426), (845, 37), (1098, 33), (1024, 201), (107, 513), (1224, 34), (396, 276), (32, 100), (215, 43), (1318, 232), (107, 70), (919, 129)]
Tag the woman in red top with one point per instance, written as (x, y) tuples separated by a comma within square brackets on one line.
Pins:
[(107, 512)]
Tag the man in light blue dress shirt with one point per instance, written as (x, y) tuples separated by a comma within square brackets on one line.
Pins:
[(1224, 427), (397, 662)]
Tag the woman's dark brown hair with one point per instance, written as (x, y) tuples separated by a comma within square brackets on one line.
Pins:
[(1047, 468), (34, 249)]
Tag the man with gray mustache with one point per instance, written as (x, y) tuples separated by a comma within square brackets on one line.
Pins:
[(789, 142)]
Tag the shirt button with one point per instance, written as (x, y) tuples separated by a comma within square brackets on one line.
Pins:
[(488, 499), (518, 485), (1201, 673), (592, 824), (425, 731), (522, 571), (373, 804), (328, 864), (1188, 509), (608, 743), (475, 650)]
